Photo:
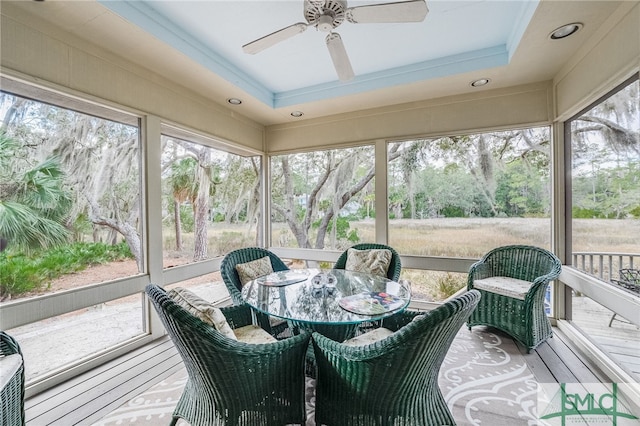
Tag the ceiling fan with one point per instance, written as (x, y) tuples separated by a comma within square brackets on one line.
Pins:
[(327, 15)]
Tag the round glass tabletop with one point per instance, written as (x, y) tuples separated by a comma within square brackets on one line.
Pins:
[(334, 296)]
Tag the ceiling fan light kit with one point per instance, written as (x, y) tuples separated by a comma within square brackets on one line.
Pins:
[(327, 15)]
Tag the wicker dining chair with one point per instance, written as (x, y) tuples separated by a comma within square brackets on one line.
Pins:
[(233, 283), (393, 381), (12, 382), (393, 273), (232, 382), (230, 274), (395, 266), (513, 281)]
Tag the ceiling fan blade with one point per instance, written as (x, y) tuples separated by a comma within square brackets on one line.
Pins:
[(403, 11), (276, 37), (339, 57)]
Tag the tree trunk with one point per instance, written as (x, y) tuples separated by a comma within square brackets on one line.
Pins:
[(202, 206), (178, 224)]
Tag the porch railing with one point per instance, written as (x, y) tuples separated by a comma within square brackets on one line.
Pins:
[(605, 266)]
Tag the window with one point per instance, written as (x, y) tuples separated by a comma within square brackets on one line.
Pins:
[(461, 196), (70, 209), (604, 224), (605, 184), (70, 196), (211, 201), (323, 199)]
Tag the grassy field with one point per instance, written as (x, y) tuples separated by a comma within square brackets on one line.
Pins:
[(457, 237)]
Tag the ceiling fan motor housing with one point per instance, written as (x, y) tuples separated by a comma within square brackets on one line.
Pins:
[(325, 15)]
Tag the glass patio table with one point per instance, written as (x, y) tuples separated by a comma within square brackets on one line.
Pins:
[(332, 302)]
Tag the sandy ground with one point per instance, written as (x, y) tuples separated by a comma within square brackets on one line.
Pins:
[(103, 272), (54, 342)]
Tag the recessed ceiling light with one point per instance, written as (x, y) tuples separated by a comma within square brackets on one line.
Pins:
[(565, 31), (480, 82), (234, 101), (297, 114)]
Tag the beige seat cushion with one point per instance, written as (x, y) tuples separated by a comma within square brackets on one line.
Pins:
[(256, 268), (373, 261), (202, 309), (505, 286), (369, 337), (254, 335)]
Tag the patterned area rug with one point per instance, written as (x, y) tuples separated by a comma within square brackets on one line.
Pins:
[(484, 379)]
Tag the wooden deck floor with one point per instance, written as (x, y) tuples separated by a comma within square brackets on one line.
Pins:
[(621, 339), (88, 398)]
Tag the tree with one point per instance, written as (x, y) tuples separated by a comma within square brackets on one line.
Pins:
[(605, 144), (33, 200), (182, 182), (98, 160), (314, 187)]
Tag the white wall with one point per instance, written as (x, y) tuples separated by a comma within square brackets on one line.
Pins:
[(607, 59), (521, 106)]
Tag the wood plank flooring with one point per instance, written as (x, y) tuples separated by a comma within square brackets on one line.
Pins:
[(89, 397), (621, 340)]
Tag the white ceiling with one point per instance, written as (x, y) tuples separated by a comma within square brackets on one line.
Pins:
[(213, 32), (200, 43)]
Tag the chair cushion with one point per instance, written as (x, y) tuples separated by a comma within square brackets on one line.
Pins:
[(256, 268), (202, 309), (254, 335), (505, 286), (369, 337), (373, 261), (8, 366)]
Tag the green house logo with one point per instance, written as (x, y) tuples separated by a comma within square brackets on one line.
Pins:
[(585, 404)]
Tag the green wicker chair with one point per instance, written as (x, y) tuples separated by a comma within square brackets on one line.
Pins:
[(518, 312), (12, 392), (231, 382), (393, 273), (393, 381), (231, 279), (395, 267), (230, 274)]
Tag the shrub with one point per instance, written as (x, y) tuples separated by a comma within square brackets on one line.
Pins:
[(21, 273), (449, 285)]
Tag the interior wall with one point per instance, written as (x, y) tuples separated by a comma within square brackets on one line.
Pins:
[(602, 63), (520, 106), (36, 51)]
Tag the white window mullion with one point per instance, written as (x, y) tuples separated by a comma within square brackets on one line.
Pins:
[(382, 200)]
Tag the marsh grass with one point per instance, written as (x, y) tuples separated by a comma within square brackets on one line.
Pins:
[(450, 237)]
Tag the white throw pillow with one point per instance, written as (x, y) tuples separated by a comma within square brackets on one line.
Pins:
[(256, 268), (373, 261), (202, 309)]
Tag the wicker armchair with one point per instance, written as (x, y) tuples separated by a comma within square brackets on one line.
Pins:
[(393, 381), (12, 382), (513, 281), (231, 279), (230, 274), (395, 267), (393, 273), (231, 382)]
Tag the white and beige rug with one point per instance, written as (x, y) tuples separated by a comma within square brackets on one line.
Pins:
[(484, 379)]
